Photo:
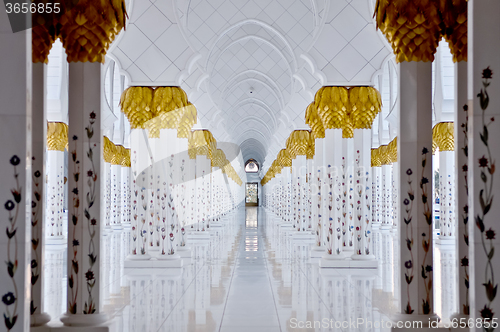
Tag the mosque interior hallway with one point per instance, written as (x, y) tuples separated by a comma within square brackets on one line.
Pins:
[(248, 276)]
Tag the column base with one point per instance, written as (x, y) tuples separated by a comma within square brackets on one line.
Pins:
[(184, 252), (56, 240), (302, 236), (341, 261), (199, 236), (385, 227), (167, 261), (39, 319), (81, 320), (138, 257), (127, 225), (317, 252), (357, 257), (446, 240)]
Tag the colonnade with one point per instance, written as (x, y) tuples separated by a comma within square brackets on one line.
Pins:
[(399, 185)]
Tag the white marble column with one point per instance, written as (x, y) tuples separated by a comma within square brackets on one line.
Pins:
[(125, 196), (55, 196), (316, 193), (108, 193), (415, 191), (299, 167), (461, 192), (484, 151), (447, 197), (387, 196), (363, 249), (376, 194), (38, 212), (15, 179), (84, 188), (348, 160), (116, 196), (309, 187), (334, 215), (203, 168)]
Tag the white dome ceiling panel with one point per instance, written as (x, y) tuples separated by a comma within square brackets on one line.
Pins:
[(153, 23), (330, 42), (349, 53), (134, 42), (173, 45), (349, 22), (153, 62), (251, 67), (368, 43), (365, 74)]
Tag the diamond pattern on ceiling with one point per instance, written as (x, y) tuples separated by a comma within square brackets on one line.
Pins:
[(241, 61)]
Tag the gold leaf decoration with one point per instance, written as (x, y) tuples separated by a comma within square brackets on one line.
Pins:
[(413, 28), (376, 162), (135, 103), (89, 28), (115, 154), (298, 143), (284, 158), (346, 109), (365, 104), (443, 137), (331, 103), (57, 136), (201, 142), (108, 149), (384, 156), (188, 119), (392, 152), (454, 13), (311, 148), (314, 121), (160, 108), (44, 32)]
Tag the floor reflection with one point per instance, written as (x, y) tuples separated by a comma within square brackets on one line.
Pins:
[(248, 277)]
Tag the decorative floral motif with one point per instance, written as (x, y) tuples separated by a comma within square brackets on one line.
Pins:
[(464, 262), (319, 235), (10, 298), (329, 237), (409, 273), (89, 305), (487, 171), (426, 272), (73, 278), (36, 203)]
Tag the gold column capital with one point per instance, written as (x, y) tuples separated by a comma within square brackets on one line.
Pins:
[(57, 136)]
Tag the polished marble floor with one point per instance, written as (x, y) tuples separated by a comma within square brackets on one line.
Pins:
[(248, 277)]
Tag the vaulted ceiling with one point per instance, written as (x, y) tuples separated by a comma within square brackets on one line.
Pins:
[(251, 67)]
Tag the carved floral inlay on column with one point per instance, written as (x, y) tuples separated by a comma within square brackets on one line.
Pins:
[(73, 278), (426, 268), (89, 306), (464, 261), (10, 299), (409, 274), (487, 171), (36, 204)]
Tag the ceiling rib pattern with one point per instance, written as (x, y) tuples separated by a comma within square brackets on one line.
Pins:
[(251, 67)]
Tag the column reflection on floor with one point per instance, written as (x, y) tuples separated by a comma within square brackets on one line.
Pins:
[(250, 276)]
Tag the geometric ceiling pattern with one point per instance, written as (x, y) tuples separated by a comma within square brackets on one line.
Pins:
[(251, 67)]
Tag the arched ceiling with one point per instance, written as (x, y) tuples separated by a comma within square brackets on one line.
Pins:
[(251, 67)]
